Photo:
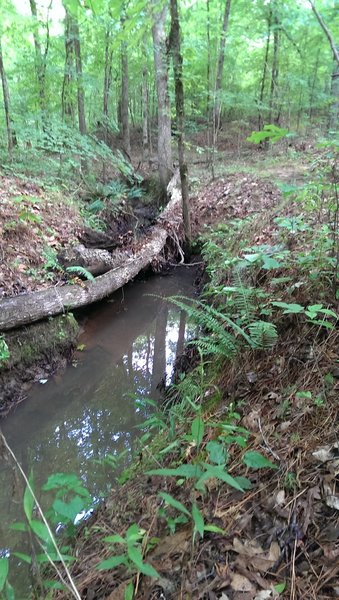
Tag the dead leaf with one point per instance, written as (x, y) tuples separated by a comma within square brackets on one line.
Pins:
[(239, 583)]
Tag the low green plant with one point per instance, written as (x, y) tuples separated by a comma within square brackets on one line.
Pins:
[(4, 351), (271, 132), (131, 549), (78, 270)]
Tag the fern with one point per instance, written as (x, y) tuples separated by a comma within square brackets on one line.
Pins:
[(81, 271), (243, 296), (264, 335), (213, 322)]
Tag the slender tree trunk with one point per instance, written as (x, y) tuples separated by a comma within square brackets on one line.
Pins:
[(275, 66), (220, 67), (40, 63), (79, 74), (125, 129), (313, 85), (164, 113), (10, 132), (107, 75), (264, 73), (175, 45), (145, 114), (334, 108), (66, 94)]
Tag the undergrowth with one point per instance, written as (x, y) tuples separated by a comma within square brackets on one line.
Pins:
[(262, 297)]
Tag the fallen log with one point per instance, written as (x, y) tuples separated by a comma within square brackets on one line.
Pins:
[(28, 308)]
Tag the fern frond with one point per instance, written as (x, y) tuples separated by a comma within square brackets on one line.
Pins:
[(81, 271), (264, 335)]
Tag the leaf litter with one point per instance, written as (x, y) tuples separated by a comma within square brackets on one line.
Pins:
[(279, 539)]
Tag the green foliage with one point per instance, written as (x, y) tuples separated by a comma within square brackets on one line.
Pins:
[(131, 546), (273, 133), (81, 271), (4, 351)]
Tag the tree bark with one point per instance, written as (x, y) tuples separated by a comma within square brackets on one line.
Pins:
[(28, 308), (125, 129), (79, 74), (264, 73), (11, 137), (220, 66), (175, 45), (66, 95), (164, 114), (40, 63), (334, 46), (107, 77), (275, 64)]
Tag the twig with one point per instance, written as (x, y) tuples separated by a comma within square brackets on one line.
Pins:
[(268, 447)]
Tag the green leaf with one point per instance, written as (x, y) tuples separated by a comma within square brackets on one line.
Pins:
[(187, 471), (4, 567), (129, 591), (135, 555), (217, 452), (197, 430), (19, 527), (29, 500), (270, 263), (174, 503), (40, 530), (289, 308), (114, 539), (214, 529), (69, 509), (280, 587), (198, 520), (134, 533), (255, 460), (112, 562), (9, 591), (25, 557), (218, 472)]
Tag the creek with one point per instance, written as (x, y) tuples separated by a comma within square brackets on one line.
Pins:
[(74, 420)]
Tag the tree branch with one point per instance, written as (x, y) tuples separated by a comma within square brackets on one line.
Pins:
[(326, 31)]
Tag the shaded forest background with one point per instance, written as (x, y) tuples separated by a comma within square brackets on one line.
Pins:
[(81, 79)]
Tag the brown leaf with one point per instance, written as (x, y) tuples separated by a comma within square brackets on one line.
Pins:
[(239, 583)]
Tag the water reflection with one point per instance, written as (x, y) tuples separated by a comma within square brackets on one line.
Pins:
[(78, 418)]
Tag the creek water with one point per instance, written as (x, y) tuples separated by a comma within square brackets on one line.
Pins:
[(72, 422)]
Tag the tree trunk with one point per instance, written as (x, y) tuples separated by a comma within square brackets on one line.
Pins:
[(66, 95), (334, 108), (28, 308), (107, 77), (275, 66), (164, 114), (175, 45), (264, 73), (145, 111), (80, 83), (10, 132), (220, 66), (40, 63), (125, 130)]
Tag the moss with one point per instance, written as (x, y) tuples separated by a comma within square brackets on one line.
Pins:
[(40, 341)]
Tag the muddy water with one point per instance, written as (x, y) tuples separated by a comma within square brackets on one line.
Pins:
[(70, 423)]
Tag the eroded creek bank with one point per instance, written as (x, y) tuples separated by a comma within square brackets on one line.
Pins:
[(73, 421)]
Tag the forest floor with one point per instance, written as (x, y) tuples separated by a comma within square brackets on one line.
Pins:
[(278, 539)]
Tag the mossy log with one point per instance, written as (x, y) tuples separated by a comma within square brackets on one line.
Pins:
[(28, 308)]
